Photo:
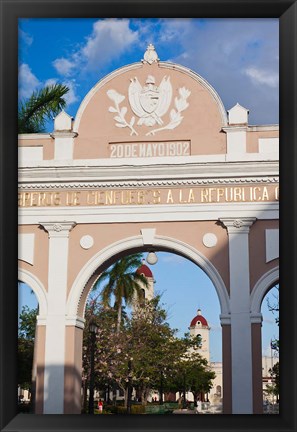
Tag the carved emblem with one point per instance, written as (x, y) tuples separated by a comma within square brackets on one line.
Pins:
[(150, 56), (150, 103)]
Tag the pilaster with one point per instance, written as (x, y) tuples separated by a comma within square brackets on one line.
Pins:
[(241, 340), (58, 233)]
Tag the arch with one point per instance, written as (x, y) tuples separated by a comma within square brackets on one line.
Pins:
[(261, 288), (38, 289), (138, 65), (132, 243)]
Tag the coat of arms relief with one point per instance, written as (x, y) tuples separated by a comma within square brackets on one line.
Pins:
[(149, 102)]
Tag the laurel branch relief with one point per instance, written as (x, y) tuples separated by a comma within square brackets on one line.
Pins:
[(149, 103)]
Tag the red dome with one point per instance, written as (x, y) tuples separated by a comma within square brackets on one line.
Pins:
[(200, 318), (143, 269)]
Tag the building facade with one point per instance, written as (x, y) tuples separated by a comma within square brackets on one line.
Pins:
[(152, 161)]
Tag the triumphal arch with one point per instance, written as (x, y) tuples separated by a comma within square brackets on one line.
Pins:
[(152, 161)]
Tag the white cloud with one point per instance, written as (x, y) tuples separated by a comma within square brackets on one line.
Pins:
[(64, 66), (28, 82), (173, 29), (109, 39), (71, 97), (261, 76), (25, 37), (50, 82), (221, 49)]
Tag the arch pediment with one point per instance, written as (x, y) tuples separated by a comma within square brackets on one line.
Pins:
[(150, 103)]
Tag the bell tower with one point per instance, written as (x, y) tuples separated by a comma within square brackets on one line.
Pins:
[(148, 292), (199, 326)]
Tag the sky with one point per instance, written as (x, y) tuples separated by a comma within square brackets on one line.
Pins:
[(238, 57), (185, 288)]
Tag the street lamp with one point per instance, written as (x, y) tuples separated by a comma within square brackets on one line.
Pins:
[(151, 258), (93, 330)]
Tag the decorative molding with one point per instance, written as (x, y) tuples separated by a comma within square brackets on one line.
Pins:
[(36, 285), (149, 103), (148, 235), (148, 183), (63, 134), (133, 243), (75, 321), (58, 229), (34, 136), (209, 240), (86, 242), (238, 226), (237, 223), (150, 56), (150, 213), (256, 318), (167, 65), (261, 287), (225, 319)]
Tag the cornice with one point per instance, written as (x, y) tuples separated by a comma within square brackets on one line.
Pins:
[(166, 174), (148, 183)]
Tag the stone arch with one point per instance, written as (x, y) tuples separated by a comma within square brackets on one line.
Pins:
[(138, 65), (78, 291), (38, 288), (261, 288)]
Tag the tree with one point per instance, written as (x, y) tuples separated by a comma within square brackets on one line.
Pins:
[(274, 308), (42, 105), (123, 282), (152, 347), (110, 348), (273, 389), (26, 337), (190, 371)]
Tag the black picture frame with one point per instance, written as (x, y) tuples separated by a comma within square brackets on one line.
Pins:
[(286, 11)]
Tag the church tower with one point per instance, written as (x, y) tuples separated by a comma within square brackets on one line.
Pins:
[(199, 326), (148, 292)]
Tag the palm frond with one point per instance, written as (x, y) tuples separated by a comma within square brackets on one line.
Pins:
[(42, 105)]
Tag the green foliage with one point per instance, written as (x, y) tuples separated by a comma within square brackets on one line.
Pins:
[(42, 105), (27, 323), (274, 308), (122, 282), (274, 372), (143, 352), (25, 362), (26, 336)]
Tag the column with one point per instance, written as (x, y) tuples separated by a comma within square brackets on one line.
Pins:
[(227, 364), (54, 360), (73, 365), (256, 320), (241, 341)]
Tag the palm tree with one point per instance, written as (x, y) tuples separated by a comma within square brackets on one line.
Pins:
[(123, 282), (42, 105)]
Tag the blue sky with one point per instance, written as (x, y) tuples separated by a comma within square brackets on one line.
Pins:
[(238, 57), (184, 288)]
